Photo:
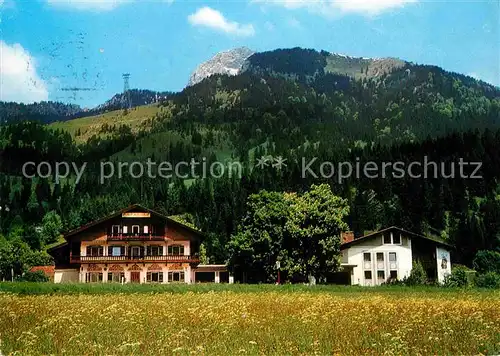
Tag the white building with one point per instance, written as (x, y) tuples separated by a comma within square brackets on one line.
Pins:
[(389, 254)]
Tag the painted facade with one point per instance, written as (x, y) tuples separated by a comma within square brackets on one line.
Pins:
[(443, 263), (135, 245)]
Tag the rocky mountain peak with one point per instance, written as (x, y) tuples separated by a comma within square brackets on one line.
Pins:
[(227, 62)]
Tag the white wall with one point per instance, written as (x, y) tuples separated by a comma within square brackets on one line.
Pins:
[(66, 275), (355, 257)]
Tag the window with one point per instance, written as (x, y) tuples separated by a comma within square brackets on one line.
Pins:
[(392, 238), (125, 229), (367, 257), (381, 275), (176, 250), (135, 229), (155, 250), (116, 277), (95, 251), (368, 275), (387, 237), (154, 277), (135, 251), (380, 260), (116, 250), (393, 265), (394, 274), (115, 230), (146, 229), (93, 277), (176, 276)]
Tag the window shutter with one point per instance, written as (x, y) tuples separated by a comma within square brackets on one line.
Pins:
[(148, 250), (88, 250), (110, 250), (125, 229), (149, 276), (160, 277), (101, 251)]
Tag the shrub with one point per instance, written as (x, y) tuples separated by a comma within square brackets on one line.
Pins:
[(395, 282), (487, 261), (417, 275), (488, 280), (458, 277), (37, 276)]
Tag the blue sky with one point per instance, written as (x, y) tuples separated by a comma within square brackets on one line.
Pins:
[(48, 47)]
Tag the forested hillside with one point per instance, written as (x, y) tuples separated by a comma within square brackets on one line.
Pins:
[(295, 104), (44, 112), (50, 111)]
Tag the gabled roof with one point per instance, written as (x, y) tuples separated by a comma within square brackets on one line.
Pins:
[(55, 247), (120, 212), (406, 232)]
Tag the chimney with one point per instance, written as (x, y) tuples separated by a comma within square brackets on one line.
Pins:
[(346, 236)]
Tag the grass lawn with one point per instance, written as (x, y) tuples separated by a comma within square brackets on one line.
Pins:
[(212, 319), (92, 125)]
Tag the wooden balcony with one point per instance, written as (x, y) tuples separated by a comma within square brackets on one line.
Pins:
[(135, 237), (132, 259)]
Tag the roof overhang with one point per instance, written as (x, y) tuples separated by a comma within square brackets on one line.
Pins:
[(406, 232), (210, 268), (348, 265), (125, 210)]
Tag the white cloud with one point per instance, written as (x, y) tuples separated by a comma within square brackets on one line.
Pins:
[(96, 5), (370, 6), (19, 80), (269, 26), (213, 19), (293, 22), (336, 7)]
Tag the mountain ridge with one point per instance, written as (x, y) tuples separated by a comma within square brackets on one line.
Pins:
[(227, 62), (294, 63)]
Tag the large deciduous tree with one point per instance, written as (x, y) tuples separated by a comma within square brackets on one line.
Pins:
[(51, 227), (302, 231)]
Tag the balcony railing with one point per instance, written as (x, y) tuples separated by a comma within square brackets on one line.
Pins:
[(139, 258), (136, 237)]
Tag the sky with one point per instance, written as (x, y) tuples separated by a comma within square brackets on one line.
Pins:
[(75, 51)]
